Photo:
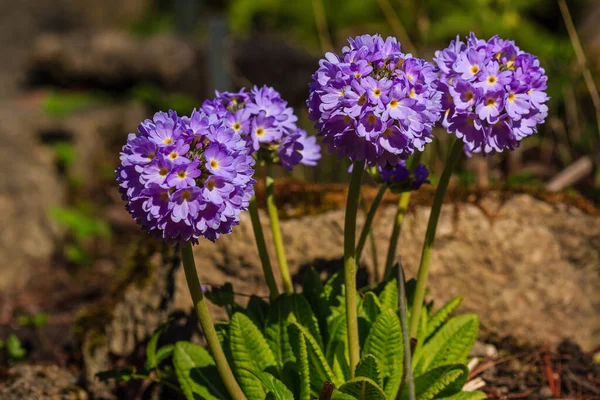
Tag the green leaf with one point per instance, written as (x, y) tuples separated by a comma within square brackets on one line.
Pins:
[(338, 339), (302, 363), (279, 316), (450, 344), (257, 311), (370, 367), (445, 380), (318, 367), (151, 359), (164, 352), (274, 386), (371, 307), (314, 292), (363, 389), (385, 343), (250, 352), (389, 296), (441, 315), (196, 373), (304, 316), (14, 349), (475, 395), (342, 396)]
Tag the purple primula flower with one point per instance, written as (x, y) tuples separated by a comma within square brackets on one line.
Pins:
[(493, 93), (184, 175), (266, 123), (373, 102), (195, 185), (400, 179)]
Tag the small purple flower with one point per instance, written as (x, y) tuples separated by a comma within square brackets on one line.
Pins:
[(489, 106), (184, 175), (373, 102), (400, 179), (264, 130), (493, 93)]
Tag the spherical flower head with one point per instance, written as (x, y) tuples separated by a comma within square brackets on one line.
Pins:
[(267, 125), (186, 177), (493, 93), (374, 103)]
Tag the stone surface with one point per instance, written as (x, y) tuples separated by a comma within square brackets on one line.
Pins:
[(40, 382), (31, 183), (528, 268)]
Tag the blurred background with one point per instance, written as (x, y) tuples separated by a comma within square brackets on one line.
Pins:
[(77, 75)]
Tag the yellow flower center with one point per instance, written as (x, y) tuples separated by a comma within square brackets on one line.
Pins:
[(186, 195), (511, 97), (214, 164), (181, 175), (410, 77), (387, 132), (260, 132), (168, 140), (163, 171), (357, 75), (342, 93), (347, 119), (372, 119), (490, 102), (164, 196), (377, 92), (411, 93), (362, 100), (173, 155), (393, 103), (469, 95), (210, 185), (474, 69), (491, 80), (529, 91), (236, 126), (151, 156)]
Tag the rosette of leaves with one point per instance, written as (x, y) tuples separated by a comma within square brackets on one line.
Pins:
[(289, 349)]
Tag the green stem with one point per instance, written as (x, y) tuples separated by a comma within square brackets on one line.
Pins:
[(397, 227), (350, 262), (455, 153), (262, 249), (187, 258), (369, 221), (406, 339), (288, 286)]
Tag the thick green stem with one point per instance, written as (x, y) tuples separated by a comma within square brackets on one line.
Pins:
[(187, 258), (350, 262), (288, 286), (262, 249), (405, 338), (397, 227), (455, 153), (369, 221)]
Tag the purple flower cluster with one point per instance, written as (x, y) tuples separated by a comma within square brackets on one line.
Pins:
[(374, 103), (268, 125), (186, 177), (400, 179), (494, 93)]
